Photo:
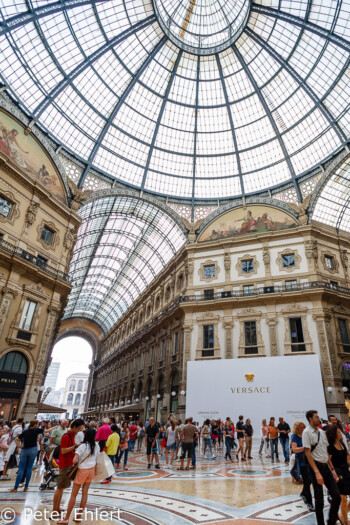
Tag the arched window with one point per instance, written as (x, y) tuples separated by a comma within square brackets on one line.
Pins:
[(70, 399), (14, 362), (77, 399), (72, 385), (86, 385), (80, 385), (84, 397)]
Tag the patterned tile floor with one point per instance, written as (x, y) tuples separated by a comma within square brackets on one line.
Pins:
[(217, 492)]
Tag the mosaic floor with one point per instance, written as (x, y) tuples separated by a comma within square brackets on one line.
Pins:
[(218, 492)]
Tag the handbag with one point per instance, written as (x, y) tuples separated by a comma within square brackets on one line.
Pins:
[(104, 467), (124, 445)]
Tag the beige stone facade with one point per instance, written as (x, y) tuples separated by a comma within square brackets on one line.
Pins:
[(292, 294), (37, 236)]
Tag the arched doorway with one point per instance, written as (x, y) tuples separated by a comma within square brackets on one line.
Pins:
[(345, 375), (13, 376), (68, 375)]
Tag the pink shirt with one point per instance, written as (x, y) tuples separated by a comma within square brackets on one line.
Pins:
[(103, 433)]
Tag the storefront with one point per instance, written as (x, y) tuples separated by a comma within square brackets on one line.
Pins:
[(13, 376)]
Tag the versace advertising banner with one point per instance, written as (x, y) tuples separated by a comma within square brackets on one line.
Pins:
[(256, 388)]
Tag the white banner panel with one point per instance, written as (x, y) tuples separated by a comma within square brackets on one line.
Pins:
[(256, 388)]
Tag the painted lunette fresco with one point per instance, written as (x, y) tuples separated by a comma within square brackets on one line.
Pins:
[(248, 220), (25, 151)]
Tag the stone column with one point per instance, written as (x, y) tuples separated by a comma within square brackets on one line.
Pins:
[(272, 322), (228, 324), (7, 298), (335, 398)]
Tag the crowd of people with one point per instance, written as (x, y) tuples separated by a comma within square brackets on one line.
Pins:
[(318, 453)]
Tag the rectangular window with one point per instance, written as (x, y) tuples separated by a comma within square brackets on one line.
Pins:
[(209, 270), (27, 315), (248, 266), (248, 289), (329, 262), (296, 334), (5, 207), (142, 361), (291, 285), (333, 285), (344, 335), (288, 260), (152, 355), (176, 343), (250, 338), (40, 261), (47, 235), (209, 294), (208, 336)]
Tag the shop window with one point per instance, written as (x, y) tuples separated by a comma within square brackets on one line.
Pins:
[(209, 271), (209, 294), (296, 334), (47, 235), (14, 362), (329, 262), (248, 266), (288, 260), (248, 289), (344, 335), (27, 315), (5, 206), (291, 285), (250, 338)]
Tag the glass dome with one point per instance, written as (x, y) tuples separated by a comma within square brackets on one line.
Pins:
[(112, 83)]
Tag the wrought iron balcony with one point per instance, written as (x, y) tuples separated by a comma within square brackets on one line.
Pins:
[(12, 249)]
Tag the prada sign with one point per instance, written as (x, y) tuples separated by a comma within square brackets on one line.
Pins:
[(12, 381)]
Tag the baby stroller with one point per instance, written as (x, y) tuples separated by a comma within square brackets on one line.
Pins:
[(51, 471)]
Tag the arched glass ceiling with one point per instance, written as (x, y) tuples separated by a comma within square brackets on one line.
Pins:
[(333, 204), (123, 244), (105, 81)]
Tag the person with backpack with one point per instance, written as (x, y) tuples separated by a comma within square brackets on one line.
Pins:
[(86, 457)]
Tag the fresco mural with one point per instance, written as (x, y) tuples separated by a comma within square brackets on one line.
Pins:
[(25, 151), (252, 219)]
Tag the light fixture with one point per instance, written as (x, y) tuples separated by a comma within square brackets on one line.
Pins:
[(137, 400), (129, 401), (158, 396), (147, 398), (344, 389), (122, 403), (173, 393), (330, 389), (42, 388), (182, 393)]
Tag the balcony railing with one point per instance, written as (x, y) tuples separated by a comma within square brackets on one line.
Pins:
[(266, 290), (12, 249)]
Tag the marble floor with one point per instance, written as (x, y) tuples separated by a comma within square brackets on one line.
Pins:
[(218, 492)]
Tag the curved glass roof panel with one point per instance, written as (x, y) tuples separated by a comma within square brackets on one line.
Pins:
[(333, 203), (108, 80), (123, 243)]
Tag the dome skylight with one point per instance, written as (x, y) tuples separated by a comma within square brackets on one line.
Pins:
[(105, 79), (203, 27)]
